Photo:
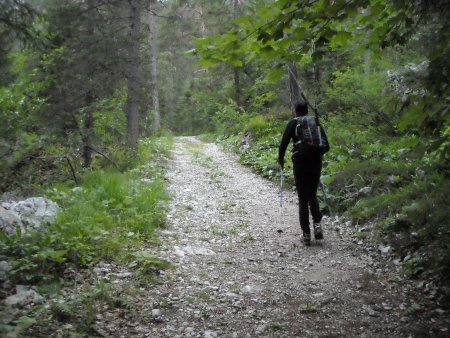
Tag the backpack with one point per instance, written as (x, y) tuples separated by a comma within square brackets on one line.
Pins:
[(311, 137)]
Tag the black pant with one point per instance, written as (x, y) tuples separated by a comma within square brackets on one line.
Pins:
[(307, 179)]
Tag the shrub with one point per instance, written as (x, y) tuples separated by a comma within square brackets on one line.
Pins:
[(108, 213)]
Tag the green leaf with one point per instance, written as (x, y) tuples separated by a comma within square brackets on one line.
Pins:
[(340, 39), (209, 62), (414, 116), (275, 74), (26, 321), (264, 37), (56, 255), (235, 62), (244, 20)]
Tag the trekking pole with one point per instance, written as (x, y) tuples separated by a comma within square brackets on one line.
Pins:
[(281, 195)]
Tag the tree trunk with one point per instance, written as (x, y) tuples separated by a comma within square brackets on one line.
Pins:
[(237, 75), (294, 91), (237, 85), (132, 105), (88, 121), (88, 126), (154, 72)]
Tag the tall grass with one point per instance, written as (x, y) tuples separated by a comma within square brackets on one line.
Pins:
[(108, 217)]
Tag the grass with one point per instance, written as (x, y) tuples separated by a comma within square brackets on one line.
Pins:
[(276, 326), (109, 217), (307, 308), (195, 148)]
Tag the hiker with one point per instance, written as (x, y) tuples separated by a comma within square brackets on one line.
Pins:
[(309, 145)]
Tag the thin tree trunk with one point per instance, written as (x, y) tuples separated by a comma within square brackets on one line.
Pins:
[(237, 85), (132, 105), (88, 126), (154, 72), (294, 92), (202, 21), (88, 123), (237, 75)]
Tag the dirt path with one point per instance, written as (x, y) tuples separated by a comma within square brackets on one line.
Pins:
[(236, 276)]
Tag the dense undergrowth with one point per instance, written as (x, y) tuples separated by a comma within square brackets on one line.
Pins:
[(369, 176), (108, 217)]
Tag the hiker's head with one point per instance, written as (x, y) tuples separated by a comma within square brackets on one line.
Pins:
[(301, 108)]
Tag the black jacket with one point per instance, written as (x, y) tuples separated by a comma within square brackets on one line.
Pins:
[(289, 134)]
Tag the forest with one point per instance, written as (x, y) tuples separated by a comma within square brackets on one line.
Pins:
[(93, 93)]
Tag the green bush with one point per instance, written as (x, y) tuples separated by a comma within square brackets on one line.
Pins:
[(107, 215)]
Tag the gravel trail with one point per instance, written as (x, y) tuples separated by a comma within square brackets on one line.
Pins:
[(237, 275)]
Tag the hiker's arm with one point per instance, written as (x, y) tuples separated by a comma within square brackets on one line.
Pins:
[(287, 135)]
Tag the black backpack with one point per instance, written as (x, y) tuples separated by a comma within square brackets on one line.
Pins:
[(311, 137)]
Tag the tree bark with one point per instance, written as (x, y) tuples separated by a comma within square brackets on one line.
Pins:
[(294, 91), (237, 85), (88, 126), (154, 72), (132, 105), (88, 118), (236, 70)]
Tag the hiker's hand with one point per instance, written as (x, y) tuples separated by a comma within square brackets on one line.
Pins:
[(281, 162)]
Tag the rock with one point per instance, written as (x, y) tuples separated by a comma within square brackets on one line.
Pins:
[(231, 295), (24, 296), (178, 251), (249, 289), (210, 334), (35, 211), (4, 266), (372, 313), (146, 181), (156, 315), (246, 142), (364, 191), (189, 332), (190, 250), (10, 221), (260, 329), (32, 212), (385, 250)]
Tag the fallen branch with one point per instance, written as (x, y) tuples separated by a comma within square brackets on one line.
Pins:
[(72, 170), (106, 157)]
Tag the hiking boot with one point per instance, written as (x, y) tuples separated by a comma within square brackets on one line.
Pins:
[(318, 233), (307, 239)]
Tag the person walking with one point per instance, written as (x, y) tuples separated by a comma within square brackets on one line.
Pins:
[(309, 144)]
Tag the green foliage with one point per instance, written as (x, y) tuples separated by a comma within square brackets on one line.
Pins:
[(62, 311), (292, 31), (108, 214), (229, 116), (146, 265), (307, 308), (263, 133), (358, 94), (262, 157), (256, 125)]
